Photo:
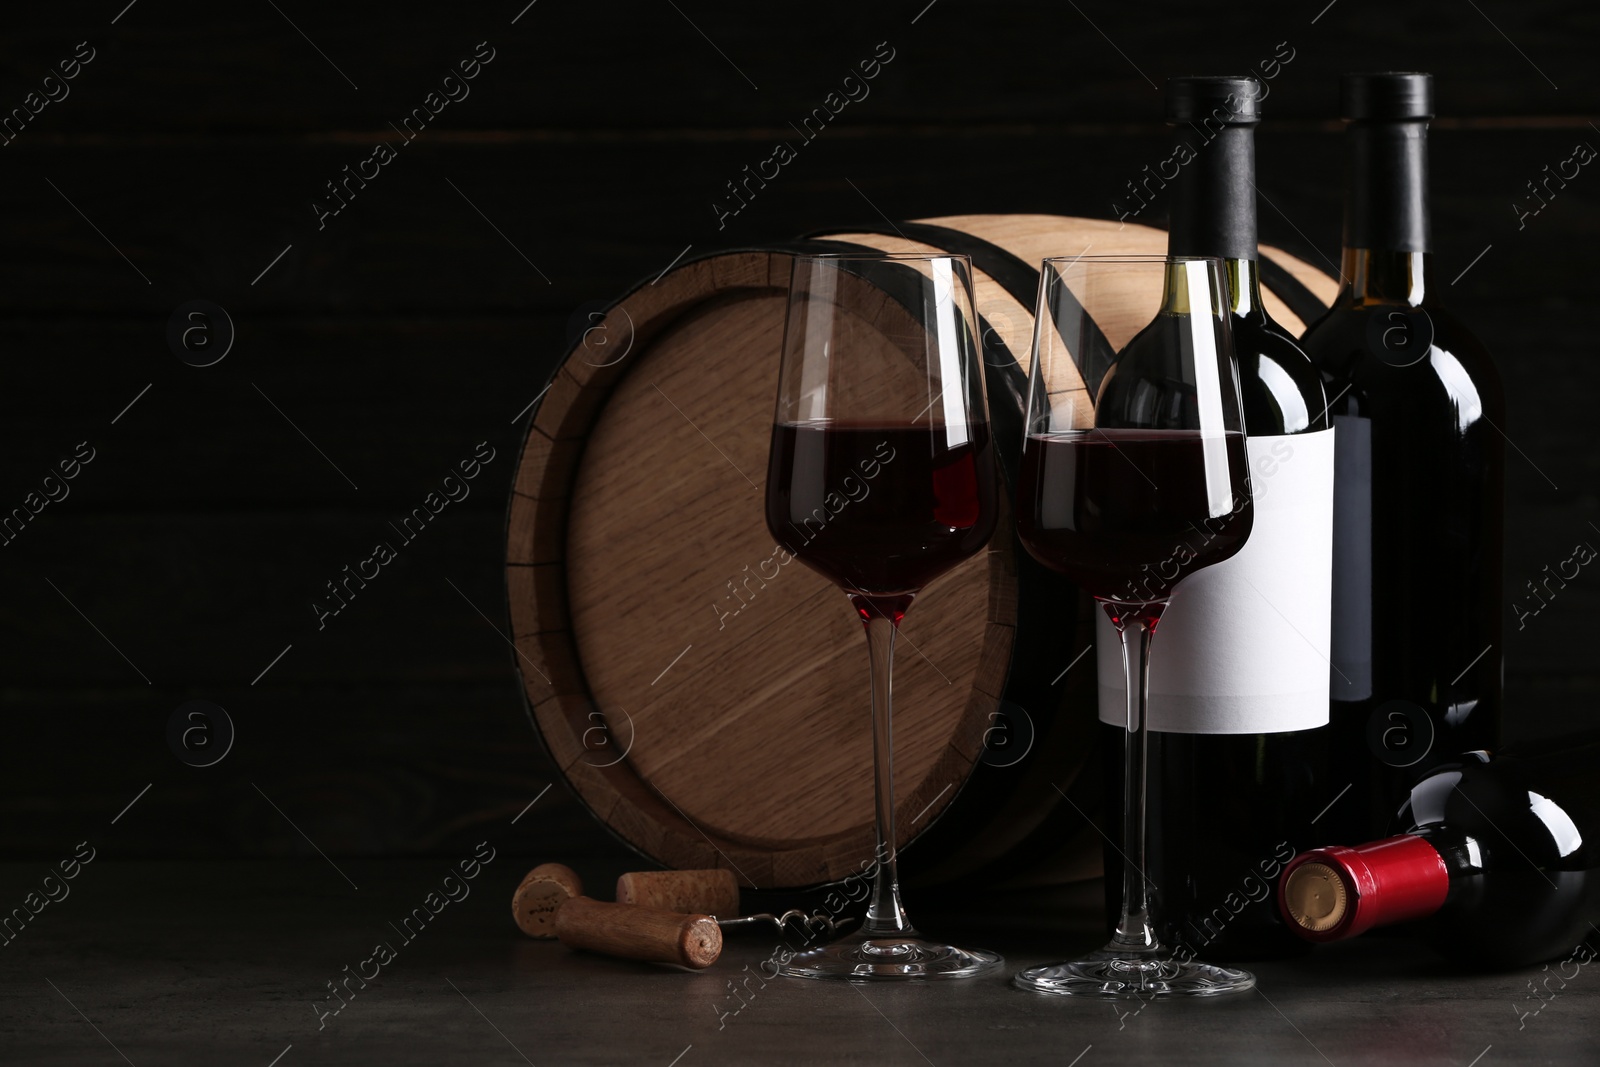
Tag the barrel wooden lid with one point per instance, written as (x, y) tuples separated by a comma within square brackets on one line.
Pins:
[(709, 704)]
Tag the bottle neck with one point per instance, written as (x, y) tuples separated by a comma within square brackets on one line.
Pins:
[(1243, 278), (1386, 187), (1385, 276), (1213, 206), (1213, 211), (1329, 894), (1187, 289)]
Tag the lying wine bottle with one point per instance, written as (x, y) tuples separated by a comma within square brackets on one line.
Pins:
[(1500, 863), (1241, 683), (1418, 482)]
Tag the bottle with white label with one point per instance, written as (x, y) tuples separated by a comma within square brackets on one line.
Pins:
[(1240, 687)]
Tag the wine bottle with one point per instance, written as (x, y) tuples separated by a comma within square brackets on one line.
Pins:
[(1240, 684), (1419, 472), (1500, 863)]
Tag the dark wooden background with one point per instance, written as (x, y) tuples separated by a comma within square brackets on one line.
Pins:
[(416, 325)]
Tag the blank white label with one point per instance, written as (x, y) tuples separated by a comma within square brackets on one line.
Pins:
[(1243, 648)]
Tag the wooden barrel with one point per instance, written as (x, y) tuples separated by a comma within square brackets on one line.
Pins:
[(708, 701)]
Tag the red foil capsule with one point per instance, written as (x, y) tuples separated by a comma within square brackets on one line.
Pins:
[(1329, 894)]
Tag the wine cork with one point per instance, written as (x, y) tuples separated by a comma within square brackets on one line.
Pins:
[(541, 894), (639, 933), (713, 892)]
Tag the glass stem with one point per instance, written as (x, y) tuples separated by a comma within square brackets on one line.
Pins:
[(1135, 626), (885, 916)]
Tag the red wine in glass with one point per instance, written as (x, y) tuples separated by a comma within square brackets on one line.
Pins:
[(881, 510), (881, 477), (1127, 514), (1134, 475)]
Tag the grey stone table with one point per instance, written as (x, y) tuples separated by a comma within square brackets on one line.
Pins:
[(230, 963)]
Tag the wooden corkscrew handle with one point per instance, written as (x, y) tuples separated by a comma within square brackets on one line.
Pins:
[(636, 932)]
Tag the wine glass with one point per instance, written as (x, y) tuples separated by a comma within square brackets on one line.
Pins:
[(881, 477), (1133, 477)]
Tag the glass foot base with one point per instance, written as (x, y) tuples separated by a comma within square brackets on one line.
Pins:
[(894, 958), (1107, 974)]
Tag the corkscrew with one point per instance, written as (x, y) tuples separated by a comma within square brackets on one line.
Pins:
[(815, 922)]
